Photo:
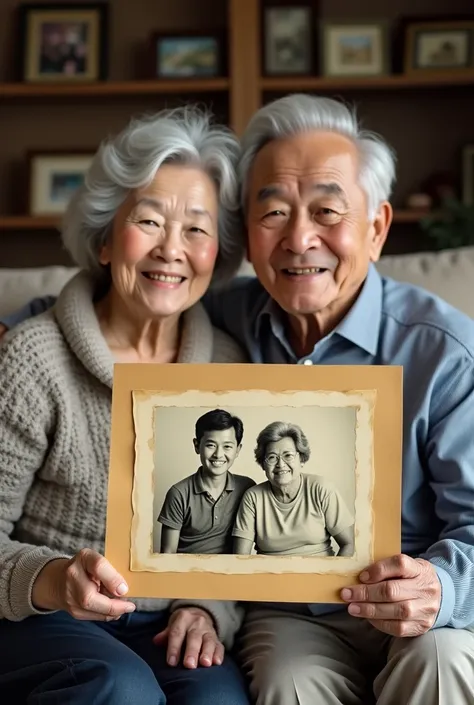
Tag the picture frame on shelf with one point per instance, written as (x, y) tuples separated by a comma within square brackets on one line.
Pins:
[(187, 55), (53, 178), (353, 48), (162, 456), (63, 42), (434, 46), (468, 175), (288, 40)]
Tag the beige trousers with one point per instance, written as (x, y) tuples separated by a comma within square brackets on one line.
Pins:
[(300, 659)]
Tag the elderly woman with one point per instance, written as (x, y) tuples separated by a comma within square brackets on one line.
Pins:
[(292, 512), (155, 222)]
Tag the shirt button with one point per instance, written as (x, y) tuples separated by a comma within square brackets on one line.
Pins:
[(307, 362)]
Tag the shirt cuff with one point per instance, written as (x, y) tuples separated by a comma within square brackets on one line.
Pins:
[(448, 597), (24, 574)]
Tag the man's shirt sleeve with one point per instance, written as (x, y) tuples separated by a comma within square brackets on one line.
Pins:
[(32, 308), (173, 510), (450, 459)]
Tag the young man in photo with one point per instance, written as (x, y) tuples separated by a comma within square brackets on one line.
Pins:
[(199, 511)]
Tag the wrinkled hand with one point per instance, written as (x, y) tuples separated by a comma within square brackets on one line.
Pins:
[(400, 596), (87, 586), (193, 629)]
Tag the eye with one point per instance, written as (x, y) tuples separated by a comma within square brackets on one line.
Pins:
[(274, 213), (195, 229), (149, 223)]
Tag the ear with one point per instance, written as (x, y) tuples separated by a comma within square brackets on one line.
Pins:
[(239, 447), (104, 255), (196, 445), (379, 230)]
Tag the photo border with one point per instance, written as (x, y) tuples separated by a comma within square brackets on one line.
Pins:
[(386, 381), (156, 37), (32, 156), (412, 32), (326, 25), (265, 37), (26, 47)]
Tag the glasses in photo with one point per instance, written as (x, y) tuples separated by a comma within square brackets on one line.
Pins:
[(272, 458)]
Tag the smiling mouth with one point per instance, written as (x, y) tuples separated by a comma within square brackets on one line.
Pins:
[(217, 463), (299, 271), (165, 278)]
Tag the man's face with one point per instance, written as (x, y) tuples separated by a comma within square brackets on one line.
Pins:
[(217, 451), (309, 238)]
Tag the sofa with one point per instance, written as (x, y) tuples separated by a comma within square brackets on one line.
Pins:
[(449, 274)]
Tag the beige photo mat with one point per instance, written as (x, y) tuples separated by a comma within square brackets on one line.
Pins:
[(141, 392)]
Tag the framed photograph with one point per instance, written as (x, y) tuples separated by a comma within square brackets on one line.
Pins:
[(63, 42), (354, 48), (468, 175), (208, 462), (288, 40), (54, 176), (438, 46), (188, 55)]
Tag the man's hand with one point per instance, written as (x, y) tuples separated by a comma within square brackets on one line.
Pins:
[(400, 596), (193, 629)]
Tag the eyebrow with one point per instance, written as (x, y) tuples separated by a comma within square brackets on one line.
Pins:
[(159, 205), (329, 189)]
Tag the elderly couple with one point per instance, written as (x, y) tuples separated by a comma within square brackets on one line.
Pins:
[(216, 511), (155, 222)]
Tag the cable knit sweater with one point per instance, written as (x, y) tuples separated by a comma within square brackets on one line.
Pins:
[(56, 387)]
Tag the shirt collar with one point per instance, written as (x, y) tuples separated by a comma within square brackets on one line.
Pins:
[(199, 488), (360, 326)]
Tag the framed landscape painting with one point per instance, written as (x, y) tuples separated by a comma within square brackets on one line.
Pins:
[(252, 482)]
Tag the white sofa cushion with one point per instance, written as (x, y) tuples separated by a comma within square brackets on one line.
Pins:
[(449, 274)]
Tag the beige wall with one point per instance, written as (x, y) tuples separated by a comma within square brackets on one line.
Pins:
[(330, 433)]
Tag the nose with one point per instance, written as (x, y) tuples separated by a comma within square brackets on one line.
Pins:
[(170, 246), (301, 235)]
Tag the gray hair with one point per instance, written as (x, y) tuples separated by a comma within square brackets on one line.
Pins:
[(298, 113), (131, 159), (276, 431)]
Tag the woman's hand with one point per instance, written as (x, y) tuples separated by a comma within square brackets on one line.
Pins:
[(192, 628), (87, 586)]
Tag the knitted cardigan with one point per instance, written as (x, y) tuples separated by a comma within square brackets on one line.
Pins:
[(55, 403)]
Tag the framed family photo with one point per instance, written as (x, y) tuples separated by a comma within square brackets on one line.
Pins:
[(288, 40), (63, 42), (437, 46), (53, 178), (351, 48), (252, 482), (187, 55)]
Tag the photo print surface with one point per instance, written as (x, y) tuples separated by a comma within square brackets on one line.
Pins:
[(247, 481)]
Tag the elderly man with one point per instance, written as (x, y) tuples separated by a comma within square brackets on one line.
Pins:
[(315, 190)]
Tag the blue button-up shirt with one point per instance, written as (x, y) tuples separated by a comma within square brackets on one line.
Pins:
[(398, 324)]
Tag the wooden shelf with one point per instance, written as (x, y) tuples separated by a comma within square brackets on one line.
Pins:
[(395, 82), (29, 222), (408, 216), (111, 88)]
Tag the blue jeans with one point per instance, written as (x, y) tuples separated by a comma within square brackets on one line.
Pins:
[(55, 659)]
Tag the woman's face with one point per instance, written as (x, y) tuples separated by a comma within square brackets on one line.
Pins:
[(282, 463), (164, 243)]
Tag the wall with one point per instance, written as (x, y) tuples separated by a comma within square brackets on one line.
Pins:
[(428, 128)]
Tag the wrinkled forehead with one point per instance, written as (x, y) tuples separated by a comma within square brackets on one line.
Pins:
[(310, 158)]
